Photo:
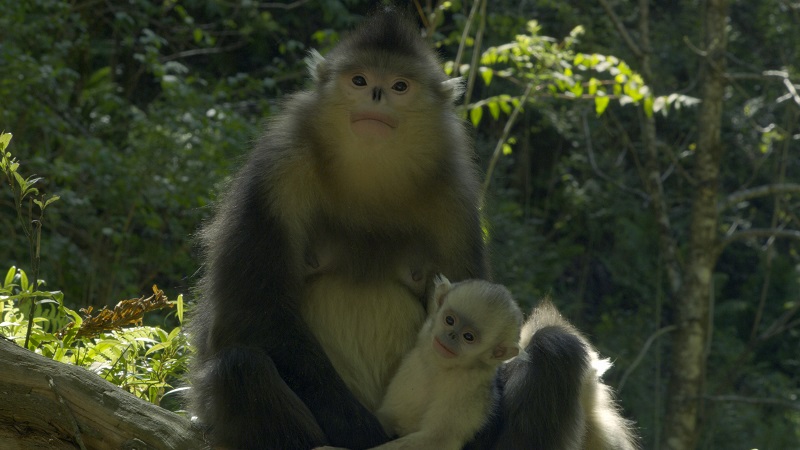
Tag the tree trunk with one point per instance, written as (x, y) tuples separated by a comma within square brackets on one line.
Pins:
[(691, 339), (49, 405)]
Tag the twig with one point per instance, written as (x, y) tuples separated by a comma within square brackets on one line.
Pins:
[(762, 401), (476, 51), (621, 29), (284, 6), (202, 51), (760, 191), (464, 35), (642, 354), (497, 149), (596, 169), (756, 233)]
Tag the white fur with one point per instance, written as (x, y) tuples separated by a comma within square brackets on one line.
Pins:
[(365, 329), (601, 427), (437, 403), (456, 87)]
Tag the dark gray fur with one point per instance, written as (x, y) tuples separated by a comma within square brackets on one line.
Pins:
[(259, 378)]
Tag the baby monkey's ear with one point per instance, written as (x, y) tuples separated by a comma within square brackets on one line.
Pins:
[(317, 66), (505, 351), (441, 287)]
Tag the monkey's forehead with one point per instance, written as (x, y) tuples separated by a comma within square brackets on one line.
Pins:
[(422, 69), (484, 301)]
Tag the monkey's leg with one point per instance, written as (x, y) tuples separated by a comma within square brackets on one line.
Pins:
[(237, 388), (310, 375), (540, 407)]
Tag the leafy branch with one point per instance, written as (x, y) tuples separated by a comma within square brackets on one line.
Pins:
[(556, 69), (26, 195)]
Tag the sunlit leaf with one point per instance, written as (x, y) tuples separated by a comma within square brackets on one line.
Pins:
[(494, 110), (600, 104), (475, 116), (593, 84), (487, 75), (10, 276), (648, 106), (5, 138)]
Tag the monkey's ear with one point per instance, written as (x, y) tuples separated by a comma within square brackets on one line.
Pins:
[(504, 352), (317, 66), (441, 288), (454, 88)]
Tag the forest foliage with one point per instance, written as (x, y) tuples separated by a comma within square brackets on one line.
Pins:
[(134, 114)]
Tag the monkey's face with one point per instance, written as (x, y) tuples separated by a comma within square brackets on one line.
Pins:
[(377, 102), (455, 335)]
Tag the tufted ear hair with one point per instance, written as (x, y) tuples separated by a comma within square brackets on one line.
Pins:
[(317, 66), (454, 88), (441, 287), (505, 351)]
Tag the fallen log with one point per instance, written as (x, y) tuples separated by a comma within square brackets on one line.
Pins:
[(50, 405)]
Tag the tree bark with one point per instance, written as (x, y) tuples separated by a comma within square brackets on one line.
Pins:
[(50, 405), (690, 343)]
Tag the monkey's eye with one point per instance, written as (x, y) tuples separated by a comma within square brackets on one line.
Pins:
[(450, 320), (359, 81), (400, 86), (469, 337)]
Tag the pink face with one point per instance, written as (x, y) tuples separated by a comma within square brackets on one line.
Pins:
[(375, 99), (454, 335)]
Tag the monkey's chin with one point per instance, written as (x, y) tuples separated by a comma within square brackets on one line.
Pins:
[(371, 128), (442, 350)]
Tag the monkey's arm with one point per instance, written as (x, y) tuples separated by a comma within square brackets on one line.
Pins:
[(252, 327)]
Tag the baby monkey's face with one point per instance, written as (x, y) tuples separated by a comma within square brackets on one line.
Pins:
[(455, 335)]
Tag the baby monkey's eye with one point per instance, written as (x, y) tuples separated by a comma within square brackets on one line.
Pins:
[(469, 337), (450, 320), (359, 80), (400, 86)]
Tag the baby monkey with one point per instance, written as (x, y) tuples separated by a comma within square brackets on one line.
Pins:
[(442, 392)]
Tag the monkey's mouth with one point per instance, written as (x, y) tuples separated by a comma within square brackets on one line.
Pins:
[(443, 349), (371, 118)]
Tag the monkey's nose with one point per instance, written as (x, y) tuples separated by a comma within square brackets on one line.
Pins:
[(376, 94)]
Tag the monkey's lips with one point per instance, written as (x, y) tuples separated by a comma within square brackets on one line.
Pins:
[(372, 123), (443, 349)]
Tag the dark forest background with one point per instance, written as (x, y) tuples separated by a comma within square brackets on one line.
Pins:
[(136, 112)]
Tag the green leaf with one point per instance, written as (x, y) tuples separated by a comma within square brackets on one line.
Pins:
[(593, 84), (448, 68), (10, 276), (648, 106), (486, 74), (494, 110), (51, 200), (600, 104), (5, 138), (23, 280), (475, 116), (505, 105), (624, 69), (180, 307), (577, 90)]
